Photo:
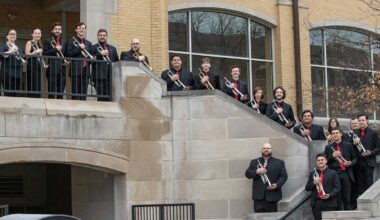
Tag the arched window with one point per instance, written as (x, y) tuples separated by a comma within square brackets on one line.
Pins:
[(228, 40), (343, 64)]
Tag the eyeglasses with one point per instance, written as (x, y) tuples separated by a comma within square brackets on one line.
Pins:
[(135, 43), (12, 34)]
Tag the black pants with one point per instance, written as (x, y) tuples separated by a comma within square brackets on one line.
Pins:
[(344, 196), (320, 206), (33, 82), (103, 88), (264, 206), (79, 84), (56, 85), (364, 177), (11, 84)]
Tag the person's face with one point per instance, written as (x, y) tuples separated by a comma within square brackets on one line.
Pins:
[(333, 123), (258, 94), (36, 35), (279, 94), (81, 30), (336, 135), (102, 37), (307, 119), (176, 62), (235, 73), (57, 31), (321, 162), (266, 150), (363, 123), (206, 67), (12, 36), (135, 45), (354, 124)]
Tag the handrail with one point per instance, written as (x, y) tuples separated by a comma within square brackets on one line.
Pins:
[(291, 211)]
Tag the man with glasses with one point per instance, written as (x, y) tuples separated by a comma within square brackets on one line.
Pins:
[(134, 53)]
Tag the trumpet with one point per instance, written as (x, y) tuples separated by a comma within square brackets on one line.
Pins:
[(264, 177), (177, 82), (105, 57), (85, 53), (137, 54), (359, 146), (327, 134), (320, 190), (40, 59), (339, 158), (18, 56), (59, 53), (228, 84), (281, 116), (207, 83), (302, 128), (253, 102)]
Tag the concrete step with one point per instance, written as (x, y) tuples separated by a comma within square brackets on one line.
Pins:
[(356, 214), (264, 216)]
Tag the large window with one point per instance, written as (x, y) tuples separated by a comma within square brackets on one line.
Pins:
[(343, 64), (228, 40)]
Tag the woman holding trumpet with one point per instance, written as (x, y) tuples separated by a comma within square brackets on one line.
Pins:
[(11, 67), (205, 79), (257, 102), (236, 88), (33, 73)]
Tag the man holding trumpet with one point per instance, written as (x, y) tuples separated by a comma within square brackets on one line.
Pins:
[(206, 79), (341, 157), (279, 111), (236, 88), (307, 129), (268, 175), (176, 77)]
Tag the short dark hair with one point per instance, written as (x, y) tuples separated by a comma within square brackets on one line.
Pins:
[(102, 30), (235, 66), (307, 111), (205, 60), (56, 24), (174, 55), (283, 92), (363, 115), (256, 89), (11, 29), (321, 155), (80, 24), (336, 128)]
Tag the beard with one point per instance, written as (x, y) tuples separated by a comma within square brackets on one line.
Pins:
[(266, 154)]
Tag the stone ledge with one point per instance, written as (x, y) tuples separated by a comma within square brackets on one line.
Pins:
[(18, 105), (346, 215)]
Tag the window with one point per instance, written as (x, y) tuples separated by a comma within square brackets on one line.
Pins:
[(343, 63), (228, 40)]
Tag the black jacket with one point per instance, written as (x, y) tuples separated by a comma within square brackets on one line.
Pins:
[(370, 142), (101, 70), (242, 87), (262, 107), (55, 65), (316, 132), (276, 173), (331, 185), (184, 76), (348, 153), (128, 55), (287, 111), (10, 65), (76, 52), (213, 79)]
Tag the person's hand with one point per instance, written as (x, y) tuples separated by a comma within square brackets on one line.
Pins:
[(141, 58), (104, 53), (14, 49), (261, 171), (325, 196), (347, 163), (316, 181), (289, 125), (366, 153), (279, 110), (232, 85), (82, 46), (38, 51), (337, 154), (356, 140), (272, 187), (174, 77), (59, 47), (205, 79), (243, 98), (305, 132)]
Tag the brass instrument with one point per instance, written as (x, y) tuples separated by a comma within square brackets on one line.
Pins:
[(177, 82), (359, 146), (339, 158), (85, 53), (207, 83), (40, 59), (302, 128), (281, 116), (327, 133), (253, 102), (228, 84), (59, 53), (105, 57), (18, 56), (264, 177), (137, 54), (319, 186)]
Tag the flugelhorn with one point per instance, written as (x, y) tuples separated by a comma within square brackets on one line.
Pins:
[(177, 82), (59, 53), (320, 190), (18, 56), (207, 83), (281, 116), (264, 177), (85, 53), (302, 128), (359, 146), (137, 54), (40, 59), (228, 84)]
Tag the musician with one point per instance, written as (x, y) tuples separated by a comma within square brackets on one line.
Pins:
[(329, 180), (179, 73), (102, 71), (266, 196), (279, 94), (315, 132), (237, 84), (79, 68), (209, 76), (333, 123), (341, 157), (33, 72), (354, 124), (56, 72), (366, 160), (258, 96), (11, 66), (134, 53)]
